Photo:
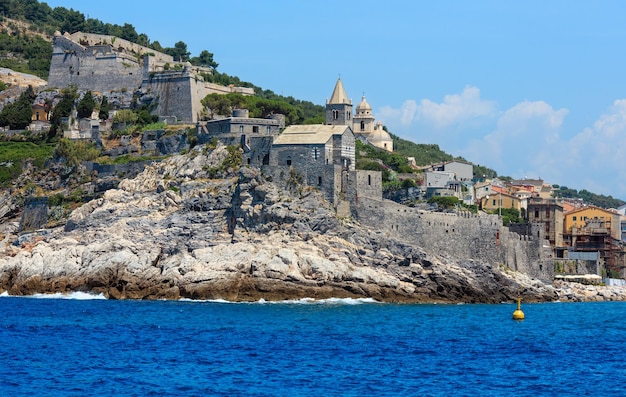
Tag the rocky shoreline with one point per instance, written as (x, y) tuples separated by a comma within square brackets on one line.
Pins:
[(189, 227)]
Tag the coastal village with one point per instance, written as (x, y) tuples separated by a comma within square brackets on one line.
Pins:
[(559, 238)]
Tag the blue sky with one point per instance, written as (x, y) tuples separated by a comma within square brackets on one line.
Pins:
[(533, 89)]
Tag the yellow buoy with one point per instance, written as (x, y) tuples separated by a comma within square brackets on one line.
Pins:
[(518, 314)]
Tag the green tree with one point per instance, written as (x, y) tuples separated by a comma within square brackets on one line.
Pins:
[(129, 33), (105, 108), (86, 105), (217, 104), (71, 21), (125, 116), (18, 115), (204, 59), (62, 109), (444, 201), (179, 52)]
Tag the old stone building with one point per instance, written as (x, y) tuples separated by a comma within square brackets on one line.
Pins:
[(549, 214), (319, 153)]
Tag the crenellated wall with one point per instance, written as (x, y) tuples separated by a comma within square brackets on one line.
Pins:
[(463, 236), (98, 69)]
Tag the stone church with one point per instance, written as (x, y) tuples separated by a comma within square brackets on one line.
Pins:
[(363, 123)]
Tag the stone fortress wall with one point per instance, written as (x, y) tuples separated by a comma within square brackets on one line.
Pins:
[(107, 64), (462, 235), (98, 69)]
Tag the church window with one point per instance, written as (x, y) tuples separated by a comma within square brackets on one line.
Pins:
[(362, 125), (319, 180), (288, 160), (269, 129), (241, 128), (348, 115), (315, 153), (369, 179)]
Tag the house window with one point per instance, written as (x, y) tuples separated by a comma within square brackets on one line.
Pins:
[(494, 202), (288, 161), (536, 213), (547, 212), (319, 180), (574, 218), (269, 129), (547, 228), (255, 128), (241, 128)]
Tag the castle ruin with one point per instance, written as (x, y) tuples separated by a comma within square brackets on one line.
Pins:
[(107, 64)]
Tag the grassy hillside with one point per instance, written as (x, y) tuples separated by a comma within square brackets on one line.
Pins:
[(13, 154)]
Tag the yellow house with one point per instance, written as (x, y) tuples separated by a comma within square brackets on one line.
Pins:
[(494, 201), (592, 217), (40, 112)]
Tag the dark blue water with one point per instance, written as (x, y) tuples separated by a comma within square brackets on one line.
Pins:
[(54, 347)]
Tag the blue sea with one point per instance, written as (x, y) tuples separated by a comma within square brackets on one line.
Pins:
[(84, 346)]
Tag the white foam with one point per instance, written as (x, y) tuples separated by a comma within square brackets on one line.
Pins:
[(80, 296), (301, 301)]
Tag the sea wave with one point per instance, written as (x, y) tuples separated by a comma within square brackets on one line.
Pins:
[(301, 301), (70, 296)]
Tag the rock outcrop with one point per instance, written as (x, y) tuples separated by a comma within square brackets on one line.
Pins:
[(198, 226)]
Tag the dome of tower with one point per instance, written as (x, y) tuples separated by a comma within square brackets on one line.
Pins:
[(380, 138), (363, 106)]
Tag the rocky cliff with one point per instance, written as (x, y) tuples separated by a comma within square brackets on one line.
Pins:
[(201, 226)]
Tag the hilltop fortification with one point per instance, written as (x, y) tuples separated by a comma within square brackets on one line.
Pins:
[(108, 64)]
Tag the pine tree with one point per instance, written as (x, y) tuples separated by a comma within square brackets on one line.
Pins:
[(85, 106), (105, 107), (18, 115)]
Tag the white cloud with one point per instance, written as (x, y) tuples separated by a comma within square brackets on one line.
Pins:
[(456, 108), (594, 158), (405, 114), (522, 141)]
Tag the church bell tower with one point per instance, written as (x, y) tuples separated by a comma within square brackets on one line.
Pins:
[(339, 107)]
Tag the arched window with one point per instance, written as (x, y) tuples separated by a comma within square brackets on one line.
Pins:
[(362, 125)]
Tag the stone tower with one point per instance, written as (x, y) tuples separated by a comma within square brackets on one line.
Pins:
[(339, 107), (364, 119)]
